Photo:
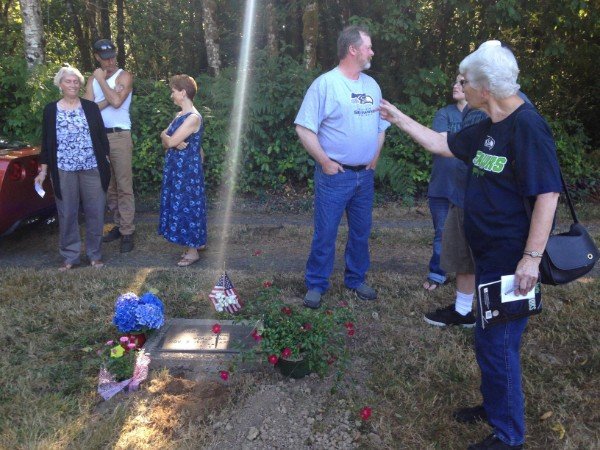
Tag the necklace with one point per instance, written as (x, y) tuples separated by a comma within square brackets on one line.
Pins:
[(74, 104)]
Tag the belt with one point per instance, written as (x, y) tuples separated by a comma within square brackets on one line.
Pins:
[(353, 168), (114, 130)]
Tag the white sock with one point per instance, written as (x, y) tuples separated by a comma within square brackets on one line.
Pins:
[(463, 303)]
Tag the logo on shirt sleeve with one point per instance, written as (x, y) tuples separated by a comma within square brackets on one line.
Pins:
[(363, 99)]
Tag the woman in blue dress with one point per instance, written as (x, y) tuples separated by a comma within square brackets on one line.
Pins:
[(182, 200)]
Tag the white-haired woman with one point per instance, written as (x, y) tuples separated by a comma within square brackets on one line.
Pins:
[(512, 159), (75, 151)]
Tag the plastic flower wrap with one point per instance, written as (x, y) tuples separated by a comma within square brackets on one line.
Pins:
[(133, 314)]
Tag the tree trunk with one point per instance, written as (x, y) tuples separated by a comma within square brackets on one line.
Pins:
[(33, 32), (104, 7), (121, 33), (310, 22), (271, 16), (91, 13), (211, 35), (83, 44)]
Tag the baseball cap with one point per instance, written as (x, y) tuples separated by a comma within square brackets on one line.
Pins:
[(105, 49)]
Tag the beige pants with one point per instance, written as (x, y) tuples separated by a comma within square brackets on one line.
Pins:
[(120, 190)]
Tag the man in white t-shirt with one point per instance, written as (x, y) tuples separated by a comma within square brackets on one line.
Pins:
[(111, 88), (340, 127)]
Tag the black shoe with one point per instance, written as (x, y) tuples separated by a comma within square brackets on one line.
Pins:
[(312, 299), (112, 235), (126, 243), (448, 316), (365, 292), (493, 443), (470, 415)]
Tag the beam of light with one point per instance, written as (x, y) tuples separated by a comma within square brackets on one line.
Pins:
[(236, 126), (139, 280)]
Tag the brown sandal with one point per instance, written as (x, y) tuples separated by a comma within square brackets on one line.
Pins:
[(199, 249), (430, 285)]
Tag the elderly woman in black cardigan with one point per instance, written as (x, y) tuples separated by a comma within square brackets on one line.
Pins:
[(75, 149)]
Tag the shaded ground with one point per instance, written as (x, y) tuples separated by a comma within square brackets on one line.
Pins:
[(257, 242)]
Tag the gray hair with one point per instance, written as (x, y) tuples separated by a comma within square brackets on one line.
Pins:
[(351, 35), (66, 70), (493, 67)]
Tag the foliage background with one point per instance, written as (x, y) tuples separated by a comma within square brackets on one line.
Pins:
[(418, 45)]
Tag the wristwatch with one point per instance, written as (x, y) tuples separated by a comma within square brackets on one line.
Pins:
[(533, 254)]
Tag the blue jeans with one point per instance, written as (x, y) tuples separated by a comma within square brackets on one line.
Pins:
[(352, 192), (498, 354), (439, 207)]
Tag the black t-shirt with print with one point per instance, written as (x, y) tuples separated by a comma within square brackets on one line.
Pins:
[(508, 160)]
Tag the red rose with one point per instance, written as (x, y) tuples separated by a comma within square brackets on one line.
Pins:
[(286, 353), (224, 375), (307, 326), (365, 413), (286, 310), (256, 336), (216, 328), (273, 359), (257, 252), (349, 325), (267, 284), (351, 332)]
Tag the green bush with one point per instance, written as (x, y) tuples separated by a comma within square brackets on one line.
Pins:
[(23, 96), (404, 166), (151, 112), (271, 154)]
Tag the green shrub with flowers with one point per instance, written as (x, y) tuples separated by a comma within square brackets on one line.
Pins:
[(295, 332)]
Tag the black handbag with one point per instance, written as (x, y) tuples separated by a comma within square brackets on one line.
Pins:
[(569, 255)]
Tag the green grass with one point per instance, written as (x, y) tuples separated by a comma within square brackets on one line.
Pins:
[(412, 374)]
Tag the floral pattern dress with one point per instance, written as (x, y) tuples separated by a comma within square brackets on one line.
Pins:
[(74, 149), (182, 200)]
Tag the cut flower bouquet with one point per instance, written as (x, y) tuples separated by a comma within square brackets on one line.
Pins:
[(135, 314), (122, 367)]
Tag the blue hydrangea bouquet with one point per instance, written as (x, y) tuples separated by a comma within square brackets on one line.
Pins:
[(135, 314)]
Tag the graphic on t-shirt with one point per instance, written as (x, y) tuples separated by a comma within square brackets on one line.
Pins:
[(489, 142), (363, 99), (489, 163)]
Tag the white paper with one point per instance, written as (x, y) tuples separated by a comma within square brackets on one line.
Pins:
[(508, 294), (39, 189)]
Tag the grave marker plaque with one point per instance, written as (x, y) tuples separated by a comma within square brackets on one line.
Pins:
[(189, 345)]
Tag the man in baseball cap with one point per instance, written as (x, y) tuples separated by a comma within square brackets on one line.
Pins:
[(105, 49), (111, 88)]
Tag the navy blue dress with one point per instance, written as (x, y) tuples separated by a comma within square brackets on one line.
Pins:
[(182, 199)]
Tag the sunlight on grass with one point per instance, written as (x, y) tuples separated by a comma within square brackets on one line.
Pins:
[(139, 280)]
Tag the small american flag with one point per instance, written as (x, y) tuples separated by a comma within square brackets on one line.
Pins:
[(224, 297)]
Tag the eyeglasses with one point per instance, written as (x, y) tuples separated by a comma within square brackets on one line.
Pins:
[(463, 82)]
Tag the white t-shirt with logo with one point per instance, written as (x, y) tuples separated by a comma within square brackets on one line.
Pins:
[(343, 114)]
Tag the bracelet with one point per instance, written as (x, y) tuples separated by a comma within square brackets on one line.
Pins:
[(533, 254)]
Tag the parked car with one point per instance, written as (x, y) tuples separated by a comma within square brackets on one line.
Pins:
[(20, 204)]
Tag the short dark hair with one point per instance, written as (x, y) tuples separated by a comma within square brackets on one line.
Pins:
[(184, 83), (351, 35)]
